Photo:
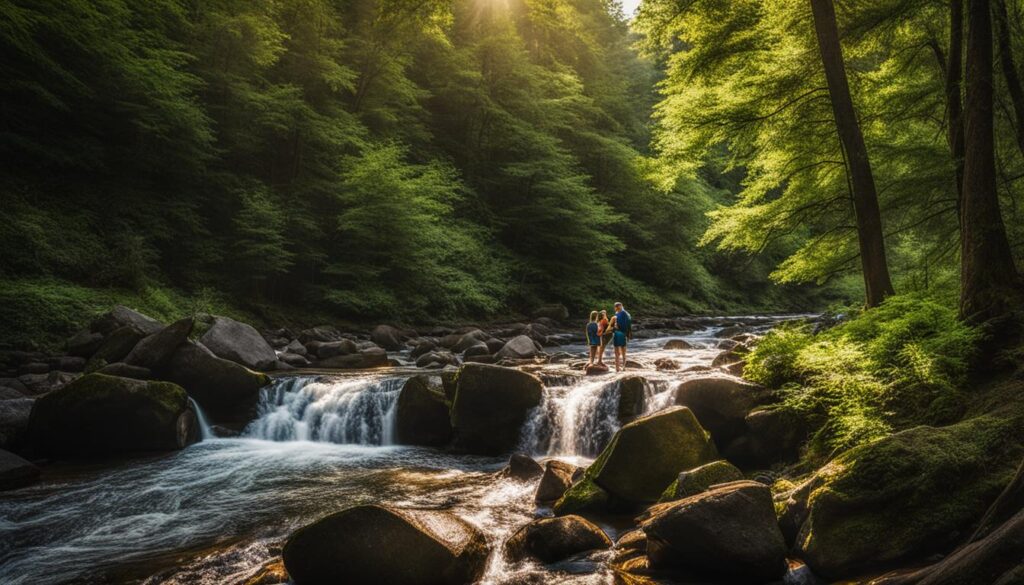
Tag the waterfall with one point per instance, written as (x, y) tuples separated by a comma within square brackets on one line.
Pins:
[(205, 431), (359, 411), (573, 420)]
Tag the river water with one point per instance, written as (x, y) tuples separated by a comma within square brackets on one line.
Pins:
[(217, 510)]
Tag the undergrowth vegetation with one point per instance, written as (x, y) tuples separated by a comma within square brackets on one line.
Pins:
[(876, 372)]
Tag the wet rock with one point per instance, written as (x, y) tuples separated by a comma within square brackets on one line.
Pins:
[(556, 480), (631, 397), (421, 415), (728, 533), (424, 346), (553, 539), (99, 414), (374, 544), (16, 472), (375, 357), (730, 331), (84, 343), (517, 348), (223, 388), (14, 384), (70, 364), (481, 359), (118, 344), (155, 351), (596, 369), (522, 467), (124, 370), (699, 479), (583, 496), (476, 350), (240, 343), (329, 349), (296, 347), (678, 344), (735, 369), (645, 456), (34, 368), (468, 340), (121, 316), (8, 393), (720, 403), (387, 337), (726, 358), (436, 359), (727, 344), (772, 436), (491, 403), (293, 359), (14, 414), (271, 572), (666, 364), (322, 333)]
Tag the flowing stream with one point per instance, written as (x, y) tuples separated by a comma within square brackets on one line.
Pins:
[(217, 510)]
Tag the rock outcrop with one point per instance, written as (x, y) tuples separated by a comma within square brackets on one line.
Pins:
[(491, 403), (421, 416), (226, 390), (240, 343)]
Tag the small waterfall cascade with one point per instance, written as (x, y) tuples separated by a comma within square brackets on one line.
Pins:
[(205, 431), (573, 420), (658, 394), (347, 411)]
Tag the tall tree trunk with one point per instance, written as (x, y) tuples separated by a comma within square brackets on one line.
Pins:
[(989, 283), (877, 283), (954, 106), (1010, 73)]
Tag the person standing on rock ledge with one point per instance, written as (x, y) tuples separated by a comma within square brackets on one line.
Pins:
[(622, 323), (593, 337)]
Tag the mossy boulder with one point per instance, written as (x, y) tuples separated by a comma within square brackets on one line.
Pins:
[(583, 496), (905, 496), (721, 403), (421, 416), (646, 455), (700, 479), (491, 403), (226, 390), (555, 481), (375, 544), (99, 415), (553, 539)]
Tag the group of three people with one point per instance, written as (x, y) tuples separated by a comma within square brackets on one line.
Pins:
[(601, 330)]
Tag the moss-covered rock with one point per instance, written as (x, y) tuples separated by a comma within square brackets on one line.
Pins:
[(583, 496), (226, 390), (906, 496), (374, 544), (699, 479), (721, 403), (421, 416), (646, 455), (99, 414), (491, 404)]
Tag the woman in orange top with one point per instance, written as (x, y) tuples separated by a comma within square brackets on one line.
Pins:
[(605, 333)]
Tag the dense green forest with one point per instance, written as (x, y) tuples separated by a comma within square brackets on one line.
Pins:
[(358, 158)]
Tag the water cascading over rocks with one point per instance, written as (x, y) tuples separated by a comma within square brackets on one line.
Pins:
[(358, 411)]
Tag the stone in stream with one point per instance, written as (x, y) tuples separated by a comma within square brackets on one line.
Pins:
[(436, 359), (421, 415), (14, 414), (223, 388), (121, 316), (293, 359), (519, 347), (699, 479), (375, 544), (16, 472), (322, 333), (555, 481), (720, 403), (374, 357), (666, 364), (678, 344), (240, 343), (726, 358), (596, 369), (642, 459), (631, 397), (728, 532), (476, 350), (387, 337), (98, 415), (470, 339), (330, 349), (154, 351), (553, 539), (522, 468), (491, 403), (422, 346)]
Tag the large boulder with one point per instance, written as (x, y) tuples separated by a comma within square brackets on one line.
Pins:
[(491, 403), (436, 359), (322, 333), (15, 472), (553, 539), (555, 481), (123, 370), (421, 416), (374, 357), (330, 349), (720, 403), (699, 479), (240, 343), (387, 337), (121, 316), (517, 348), (772, 435), (155, 351), (470, 339), (226, 390), (728, 533), (14, 416), (84, 343), (423, 346), (903, 497), (522, 467), (117, 345), (98, 415), (646, 455), (631, 397), (374, 544)]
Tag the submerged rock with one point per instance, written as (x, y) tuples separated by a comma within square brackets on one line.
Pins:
[(491, 403), (553, 539), (240, 343), (421, 415), (728, 533), (374, 544), (99, 414), (223, 388), (16, 472), (700, 479)]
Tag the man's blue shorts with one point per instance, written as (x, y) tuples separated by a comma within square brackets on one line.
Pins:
[(620, 339)]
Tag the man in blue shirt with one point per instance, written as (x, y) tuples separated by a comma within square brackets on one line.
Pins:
[(623, 333)]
